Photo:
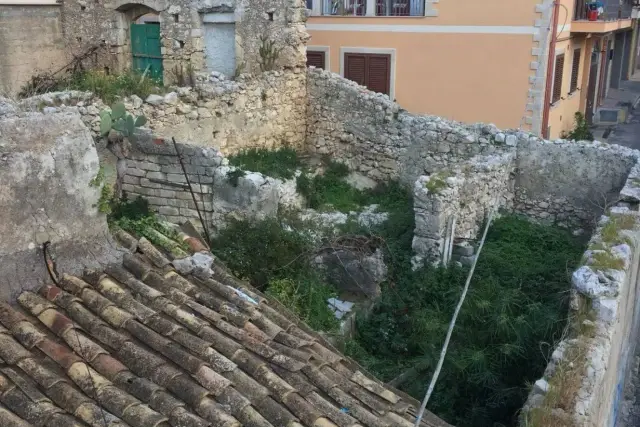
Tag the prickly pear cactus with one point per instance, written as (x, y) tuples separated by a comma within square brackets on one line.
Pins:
[(120, 121)]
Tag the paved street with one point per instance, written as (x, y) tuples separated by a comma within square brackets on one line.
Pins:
[(627, 134)]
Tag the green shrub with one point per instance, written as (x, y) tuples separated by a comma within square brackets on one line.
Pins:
[(516, 306), (306, 295), (108, 87), (580, 131), (262, 251), (330, 190), (274, 257), (281, 163)]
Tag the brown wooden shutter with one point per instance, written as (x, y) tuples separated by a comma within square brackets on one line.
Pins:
[(575, 70), (315, 59), (379, 77), (557, 79), (356, 68)]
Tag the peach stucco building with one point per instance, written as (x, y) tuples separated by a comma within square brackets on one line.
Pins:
[(480, 61)]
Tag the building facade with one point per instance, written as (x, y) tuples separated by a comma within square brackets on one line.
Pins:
[(165, 39), (480, 61)]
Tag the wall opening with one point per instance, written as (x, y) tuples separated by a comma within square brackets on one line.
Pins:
[(220, 42)]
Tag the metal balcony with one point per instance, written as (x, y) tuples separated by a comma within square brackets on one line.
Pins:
[(613, 9)]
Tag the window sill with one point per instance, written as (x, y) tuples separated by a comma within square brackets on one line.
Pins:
[(572, 94)]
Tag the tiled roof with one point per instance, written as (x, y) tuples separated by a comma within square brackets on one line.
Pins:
[(140, 345)]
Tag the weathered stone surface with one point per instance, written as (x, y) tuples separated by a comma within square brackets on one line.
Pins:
[(353, 272), (465, 194), (46, 164)]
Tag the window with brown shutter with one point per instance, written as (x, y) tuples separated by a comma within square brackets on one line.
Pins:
[(370, 70), (557, 79), (575, 69), (316, 59)]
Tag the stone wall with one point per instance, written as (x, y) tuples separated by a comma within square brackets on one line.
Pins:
[(599, 348), (47, 163), (154, 173), (451, 206), (267, 110), (379, 139), (182, 31), (30, 40), (569, 183)]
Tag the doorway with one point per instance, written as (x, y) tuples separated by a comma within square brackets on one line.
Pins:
[(145, 49), (593, 82)]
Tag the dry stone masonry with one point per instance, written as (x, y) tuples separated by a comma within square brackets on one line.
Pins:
[(154, 173), (379, 139), (266, 111), (451, 205), (604, 305)]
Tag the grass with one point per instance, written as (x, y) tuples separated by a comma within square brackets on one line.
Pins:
[(604, 260), (611, 231), (281, 163), (566, 381), (108, 87), (437, 182)]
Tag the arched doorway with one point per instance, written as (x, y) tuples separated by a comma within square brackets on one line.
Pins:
[(144, 35)]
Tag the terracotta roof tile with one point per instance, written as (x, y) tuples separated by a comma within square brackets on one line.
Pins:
[(140, 345)]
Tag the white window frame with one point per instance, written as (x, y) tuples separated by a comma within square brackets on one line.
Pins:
[(381, 51), (327, 57)]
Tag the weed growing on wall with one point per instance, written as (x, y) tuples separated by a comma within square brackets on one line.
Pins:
[(515, 311), (281, 163), (108, 87)]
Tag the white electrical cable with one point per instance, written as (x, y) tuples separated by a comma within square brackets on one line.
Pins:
[(443, 353)]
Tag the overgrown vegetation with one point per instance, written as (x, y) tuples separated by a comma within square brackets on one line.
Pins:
[(281, 163), (271, 255), (580, 131), (566, 381), (108, 87), (514, 313)]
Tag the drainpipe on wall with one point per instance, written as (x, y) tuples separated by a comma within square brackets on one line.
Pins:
[(550, 63)]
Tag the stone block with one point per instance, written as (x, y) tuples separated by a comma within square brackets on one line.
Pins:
[(130, 179), (146, 183), (168, 210), (177, 178), (135, 172), (168, 194), (156, 175)]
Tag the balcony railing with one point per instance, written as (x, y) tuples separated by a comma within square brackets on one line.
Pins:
[(400, 8), (382, 7), (612, 9), (344, 7)]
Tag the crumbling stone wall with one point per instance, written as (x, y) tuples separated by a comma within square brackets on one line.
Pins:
[(267, 110), (47, 163), (569, 183), (451, 205), (379, 139), (182, 31), (30, 39), (604, 307), (154, 173)]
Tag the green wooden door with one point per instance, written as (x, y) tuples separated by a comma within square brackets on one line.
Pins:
[(145, 46)]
